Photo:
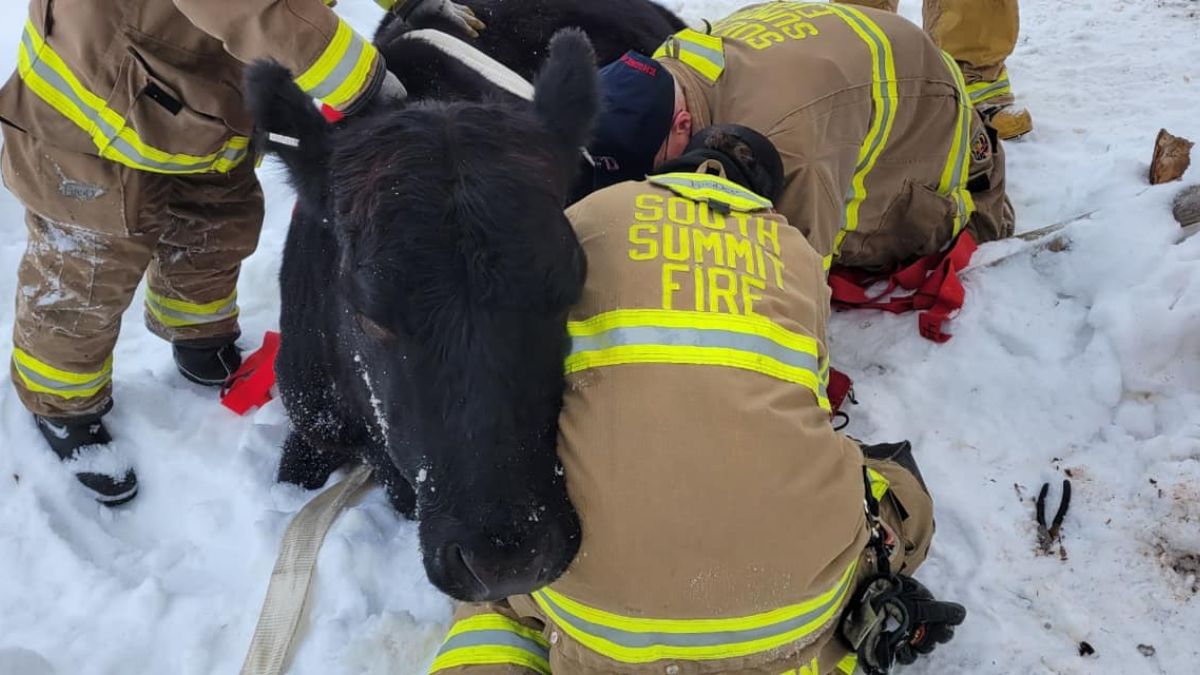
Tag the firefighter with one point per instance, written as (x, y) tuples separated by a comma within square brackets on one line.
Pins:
[(724, 527), (126, 139), (885, 159), (980, 35)]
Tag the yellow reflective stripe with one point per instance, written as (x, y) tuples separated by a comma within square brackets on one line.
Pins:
[(639, 640), (958, 162), (678, 337), (43, 378), (980, 92), (493, 639), (879, 483), (490, 656), (704, 53), (387, 4), (885, 96), (700, 356), (47, 75), (496, 622), (705, 187), (341, 72), (827, 262), (848, 664), (177, 313)]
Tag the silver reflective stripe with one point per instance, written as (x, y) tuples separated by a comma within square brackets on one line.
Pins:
[(61, 386), (693, 337), (229, 310), (342, 71), (494, 638), (711, 55), (645, 639), (701, 184), (110, 134)]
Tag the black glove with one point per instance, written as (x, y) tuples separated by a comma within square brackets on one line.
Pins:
[(895, 619)]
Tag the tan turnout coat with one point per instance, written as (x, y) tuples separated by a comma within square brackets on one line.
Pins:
[(885, 158), (157, 84), (723, 518)]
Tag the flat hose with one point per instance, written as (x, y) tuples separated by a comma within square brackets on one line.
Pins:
[(291, 579)]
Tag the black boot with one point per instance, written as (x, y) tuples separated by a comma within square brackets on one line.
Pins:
[(208, 362), (68, 436)]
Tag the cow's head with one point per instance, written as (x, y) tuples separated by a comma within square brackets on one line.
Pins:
[(457, 268)]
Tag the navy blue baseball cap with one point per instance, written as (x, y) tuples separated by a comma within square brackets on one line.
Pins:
[(635, 117)]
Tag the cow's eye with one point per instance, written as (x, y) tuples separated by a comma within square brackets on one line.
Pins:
[(373, 329)]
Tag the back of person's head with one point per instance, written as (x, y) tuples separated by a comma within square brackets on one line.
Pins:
[(747, 157), (638, 96)]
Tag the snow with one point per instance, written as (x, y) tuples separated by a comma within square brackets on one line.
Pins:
[(1082, 362)]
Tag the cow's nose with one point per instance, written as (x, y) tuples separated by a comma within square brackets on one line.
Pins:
[(496, 577)]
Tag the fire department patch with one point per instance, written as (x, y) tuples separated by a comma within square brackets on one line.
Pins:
[(981, 147)]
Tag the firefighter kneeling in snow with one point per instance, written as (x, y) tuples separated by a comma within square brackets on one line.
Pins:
[(127, 140), (727, 528)]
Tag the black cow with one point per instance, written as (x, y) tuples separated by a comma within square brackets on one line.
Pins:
[(425, 284), (519, 31)]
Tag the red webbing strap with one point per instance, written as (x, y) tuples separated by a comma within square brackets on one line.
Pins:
[(331, 114), (933, 280), (838, 389), (250, 386)]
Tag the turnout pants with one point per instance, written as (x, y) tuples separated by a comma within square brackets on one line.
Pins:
[(513, 637), (979, 34), (95, 229)]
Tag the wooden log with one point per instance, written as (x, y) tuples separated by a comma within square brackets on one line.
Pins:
[(1187, 206), (1172, 156)]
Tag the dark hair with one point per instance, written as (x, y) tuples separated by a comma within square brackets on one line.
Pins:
[(748, 157)]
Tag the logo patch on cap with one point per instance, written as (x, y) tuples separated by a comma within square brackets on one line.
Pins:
[(639, 65)]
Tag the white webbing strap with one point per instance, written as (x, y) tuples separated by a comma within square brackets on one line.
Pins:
[(492, 70), (292, 576), (495, 72)]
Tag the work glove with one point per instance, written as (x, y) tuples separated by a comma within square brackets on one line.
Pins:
[(896, 619), (459, 15)]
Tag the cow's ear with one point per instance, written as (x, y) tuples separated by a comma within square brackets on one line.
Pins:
[(566, 90), (288, 124)]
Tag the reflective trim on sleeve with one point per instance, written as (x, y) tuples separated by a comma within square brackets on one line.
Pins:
[(635, 640), (885, 96), (650, 336), (705, 188), (953, 184), (848, 664), (179, 313), (879, 483), (41, 377), (704, 53), (493, 639), (48, 77), (343, 70), (982, 92)]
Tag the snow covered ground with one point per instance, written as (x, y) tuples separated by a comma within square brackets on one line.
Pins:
[(1082, 362)]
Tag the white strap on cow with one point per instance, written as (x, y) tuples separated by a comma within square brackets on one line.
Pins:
[(292, 576), (495, 72)]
